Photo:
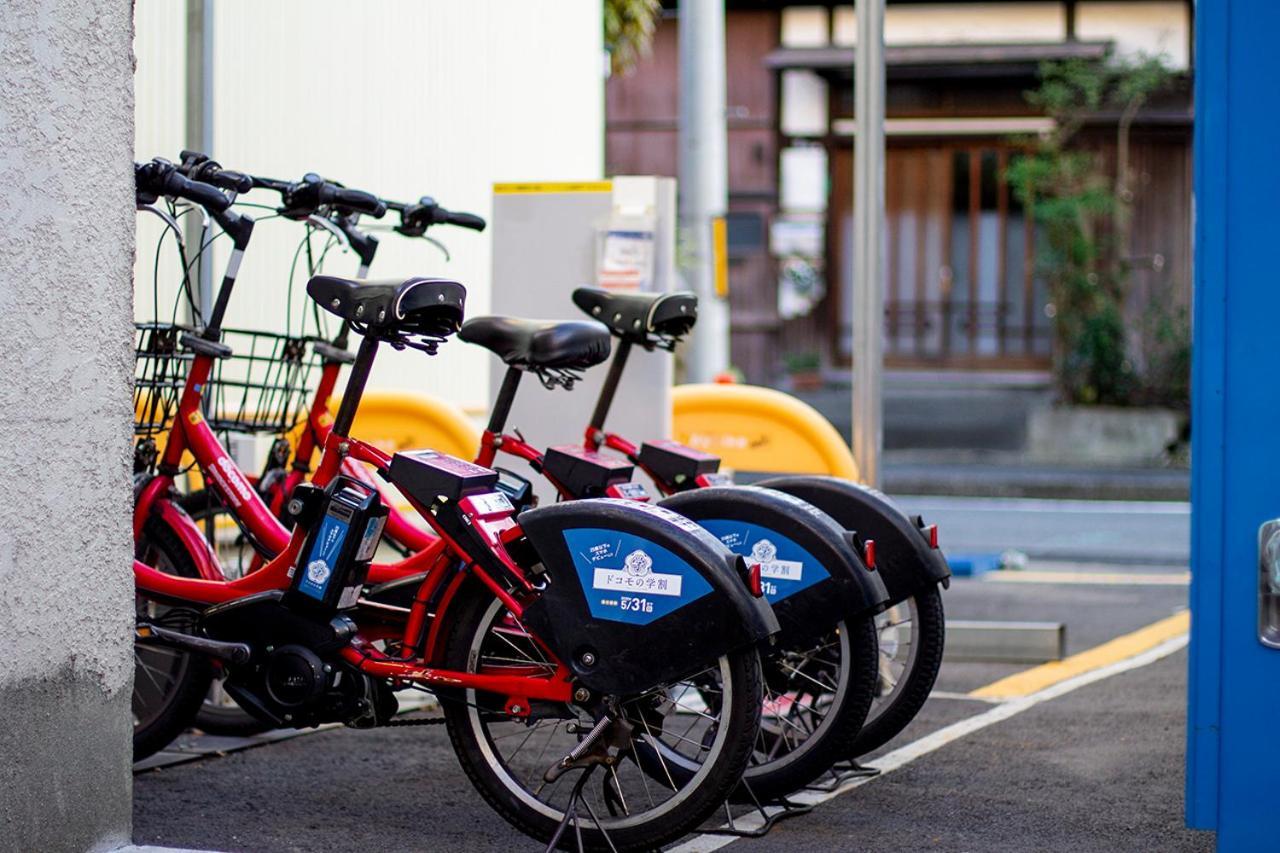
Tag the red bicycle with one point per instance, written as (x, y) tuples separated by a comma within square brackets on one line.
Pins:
[(821, 674), (911, 629), (502, 627)]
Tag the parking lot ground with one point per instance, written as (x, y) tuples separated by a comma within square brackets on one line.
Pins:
[(1098, 768)]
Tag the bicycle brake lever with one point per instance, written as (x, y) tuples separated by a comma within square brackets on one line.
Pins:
[(163, 214), (322, 222), (441, 246)]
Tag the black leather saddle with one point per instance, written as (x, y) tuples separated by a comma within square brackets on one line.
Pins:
[(394, 308), (649, 319), (540, 345)]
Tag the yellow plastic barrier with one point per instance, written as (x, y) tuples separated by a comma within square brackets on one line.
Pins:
[(759, 429), (404, 420)]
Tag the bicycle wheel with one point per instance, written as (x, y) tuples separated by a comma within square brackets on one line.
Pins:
[(639, 807), (168, 684), (816, 697), (220, 714), (912, 637)]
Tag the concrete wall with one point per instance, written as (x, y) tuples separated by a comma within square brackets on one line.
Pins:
[(66, 252)]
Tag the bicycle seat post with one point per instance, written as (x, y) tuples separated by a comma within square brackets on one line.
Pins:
[(502, 403), (355, 386), (610, 387)]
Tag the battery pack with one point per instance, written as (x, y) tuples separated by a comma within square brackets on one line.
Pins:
[(334, 561)]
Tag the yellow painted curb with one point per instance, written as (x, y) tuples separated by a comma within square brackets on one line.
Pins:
[(1121, 648), (555, 187)]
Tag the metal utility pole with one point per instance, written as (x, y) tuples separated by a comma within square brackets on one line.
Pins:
[(868, 247), (704, 178), (199, 130)]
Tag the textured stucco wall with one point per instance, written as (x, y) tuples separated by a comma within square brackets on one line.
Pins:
[(66, 254)]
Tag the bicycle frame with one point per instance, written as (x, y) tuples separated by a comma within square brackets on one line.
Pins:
[(421, 637), (259, 519)]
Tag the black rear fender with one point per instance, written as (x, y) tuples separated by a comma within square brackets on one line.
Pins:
[(637, 595), (811, 574), (904, 557)]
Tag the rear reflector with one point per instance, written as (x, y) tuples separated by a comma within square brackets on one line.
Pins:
[(932, 530), (753, 582), (869, 554)]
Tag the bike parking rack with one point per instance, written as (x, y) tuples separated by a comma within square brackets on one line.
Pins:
[(841, 774), (785, 809)]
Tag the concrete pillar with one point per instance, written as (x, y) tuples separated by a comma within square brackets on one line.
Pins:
[(66, 253)]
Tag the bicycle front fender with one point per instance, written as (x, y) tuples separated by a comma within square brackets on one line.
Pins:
[(191, 536)]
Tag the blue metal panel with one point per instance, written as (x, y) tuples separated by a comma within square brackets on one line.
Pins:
[(1234, 704)]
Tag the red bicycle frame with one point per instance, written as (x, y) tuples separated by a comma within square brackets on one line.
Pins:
[(420, 639)]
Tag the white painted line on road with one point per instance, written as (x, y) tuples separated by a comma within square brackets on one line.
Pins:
[(1047, 505), (1085, 578), (929, 743)]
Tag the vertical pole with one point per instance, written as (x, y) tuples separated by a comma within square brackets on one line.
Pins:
[(199, 128), (704, 177), (868, 250)]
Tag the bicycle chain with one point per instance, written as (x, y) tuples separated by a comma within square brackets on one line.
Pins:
[(428, 721)]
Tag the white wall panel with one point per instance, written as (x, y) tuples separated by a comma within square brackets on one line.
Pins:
[(1138, 28), (403, 98)]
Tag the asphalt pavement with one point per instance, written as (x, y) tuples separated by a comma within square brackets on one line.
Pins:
[(1099, 768), (1129, 532)]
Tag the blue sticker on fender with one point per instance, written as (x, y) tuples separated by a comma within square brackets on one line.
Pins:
[(785, 567), (627, 578)]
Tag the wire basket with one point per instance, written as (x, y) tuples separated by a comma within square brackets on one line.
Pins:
[(264, 386), (159, 372)]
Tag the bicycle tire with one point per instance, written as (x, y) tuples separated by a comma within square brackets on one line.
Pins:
[(219, 714), (477, 610), (177, 703), (887, 722)]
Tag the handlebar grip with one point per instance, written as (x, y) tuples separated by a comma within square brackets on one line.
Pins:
[(206, 195), (161, 178), (465, 220), (199, 167), (356, 200), (235, 181)]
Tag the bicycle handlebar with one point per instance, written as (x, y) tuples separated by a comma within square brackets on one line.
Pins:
[(198, 167), (160, 177), (417, 217), (300, 199)]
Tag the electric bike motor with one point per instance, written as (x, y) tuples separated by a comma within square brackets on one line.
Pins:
[(294, 676)]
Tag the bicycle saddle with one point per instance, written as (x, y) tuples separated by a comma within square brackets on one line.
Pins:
[(391, 309), (648, 319), (539, 344)]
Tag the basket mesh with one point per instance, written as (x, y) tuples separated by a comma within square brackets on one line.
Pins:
[(264, 386), (159, 372)]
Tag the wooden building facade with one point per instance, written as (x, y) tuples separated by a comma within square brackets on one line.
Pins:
[(963, 290)]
